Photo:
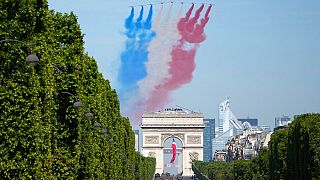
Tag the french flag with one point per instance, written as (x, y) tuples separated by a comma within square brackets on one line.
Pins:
[(174, 151)]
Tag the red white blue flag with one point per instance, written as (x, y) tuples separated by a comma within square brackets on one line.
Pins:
[(174, 151)]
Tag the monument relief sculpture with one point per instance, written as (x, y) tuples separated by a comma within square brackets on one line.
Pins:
[(194, 155), (165, 136), (152, 140), (194, 139), (152, 154)]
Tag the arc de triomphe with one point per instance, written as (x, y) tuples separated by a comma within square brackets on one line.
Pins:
[(186, 127)]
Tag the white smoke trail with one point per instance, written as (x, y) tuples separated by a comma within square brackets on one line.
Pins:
[(160, 54), (158, 17)]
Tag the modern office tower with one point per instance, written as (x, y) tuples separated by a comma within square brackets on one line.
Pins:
[(228, 126), (136, 138), (227, 121), (208, 136), (282, 121), (253, 121)]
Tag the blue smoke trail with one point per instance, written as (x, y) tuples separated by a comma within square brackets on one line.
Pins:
[(132, 66), (138, 23), (129, 24), (147, 24)]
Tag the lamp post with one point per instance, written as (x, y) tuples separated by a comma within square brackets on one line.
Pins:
[(96, 125), (76, 104), (89, 115), (31, 59), (104, 132)]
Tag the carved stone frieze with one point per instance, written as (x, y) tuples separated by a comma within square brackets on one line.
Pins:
[(175, 130), (194, 155), (152, 154), (151, 140), (194, 139), (167, 135)]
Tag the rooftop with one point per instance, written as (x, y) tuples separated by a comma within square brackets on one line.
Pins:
[(172, 113)]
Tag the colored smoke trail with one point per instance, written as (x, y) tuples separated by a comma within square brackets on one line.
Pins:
[(160, 54), (183, 54), (132, 66), (157, 18)]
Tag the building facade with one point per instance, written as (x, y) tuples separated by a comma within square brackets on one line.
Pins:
[(244, 146), (136, 140), (158, 131), (265, 128), (208, 136), (253, 121), (228, 126), (282, 121)]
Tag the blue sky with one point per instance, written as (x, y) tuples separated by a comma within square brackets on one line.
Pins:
[(265, 55)]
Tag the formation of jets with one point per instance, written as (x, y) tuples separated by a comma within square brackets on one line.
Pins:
[(171, 3)]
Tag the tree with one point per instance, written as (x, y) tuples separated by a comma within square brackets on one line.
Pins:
[(303, 147), (278, 154), (260, 165), (293, 153), (213, 170), (242, 169), (41, 134)]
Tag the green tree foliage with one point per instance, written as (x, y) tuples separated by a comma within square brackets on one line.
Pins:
[(278, 154), (242, 169), (149, 166), (41, 135), (303, 147), (293, 153), (260, 165), (213, 170)]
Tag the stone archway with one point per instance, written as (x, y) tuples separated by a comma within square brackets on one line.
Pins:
[(159, 127)]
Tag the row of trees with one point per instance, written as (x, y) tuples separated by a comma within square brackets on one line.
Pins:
[(292, 153), (41, 135)]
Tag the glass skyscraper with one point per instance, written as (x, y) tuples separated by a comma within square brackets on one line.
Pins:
[(136, 138), (228, 126), (208, 136)]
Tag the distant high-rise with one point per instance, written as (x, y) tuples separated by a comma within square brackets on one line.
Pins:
[(252, 121), (136, 138), (208, 136), (228, 126), (282, 121), (227, 122)]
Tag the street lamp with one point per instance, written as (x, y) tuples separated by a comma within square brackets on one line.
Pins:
[(89, 115), (96, 125), (76, 104), (31, 59), (104, 132)]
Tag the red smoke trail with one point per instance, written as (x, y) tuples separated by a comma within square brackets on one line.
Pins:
[(183, 54)]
